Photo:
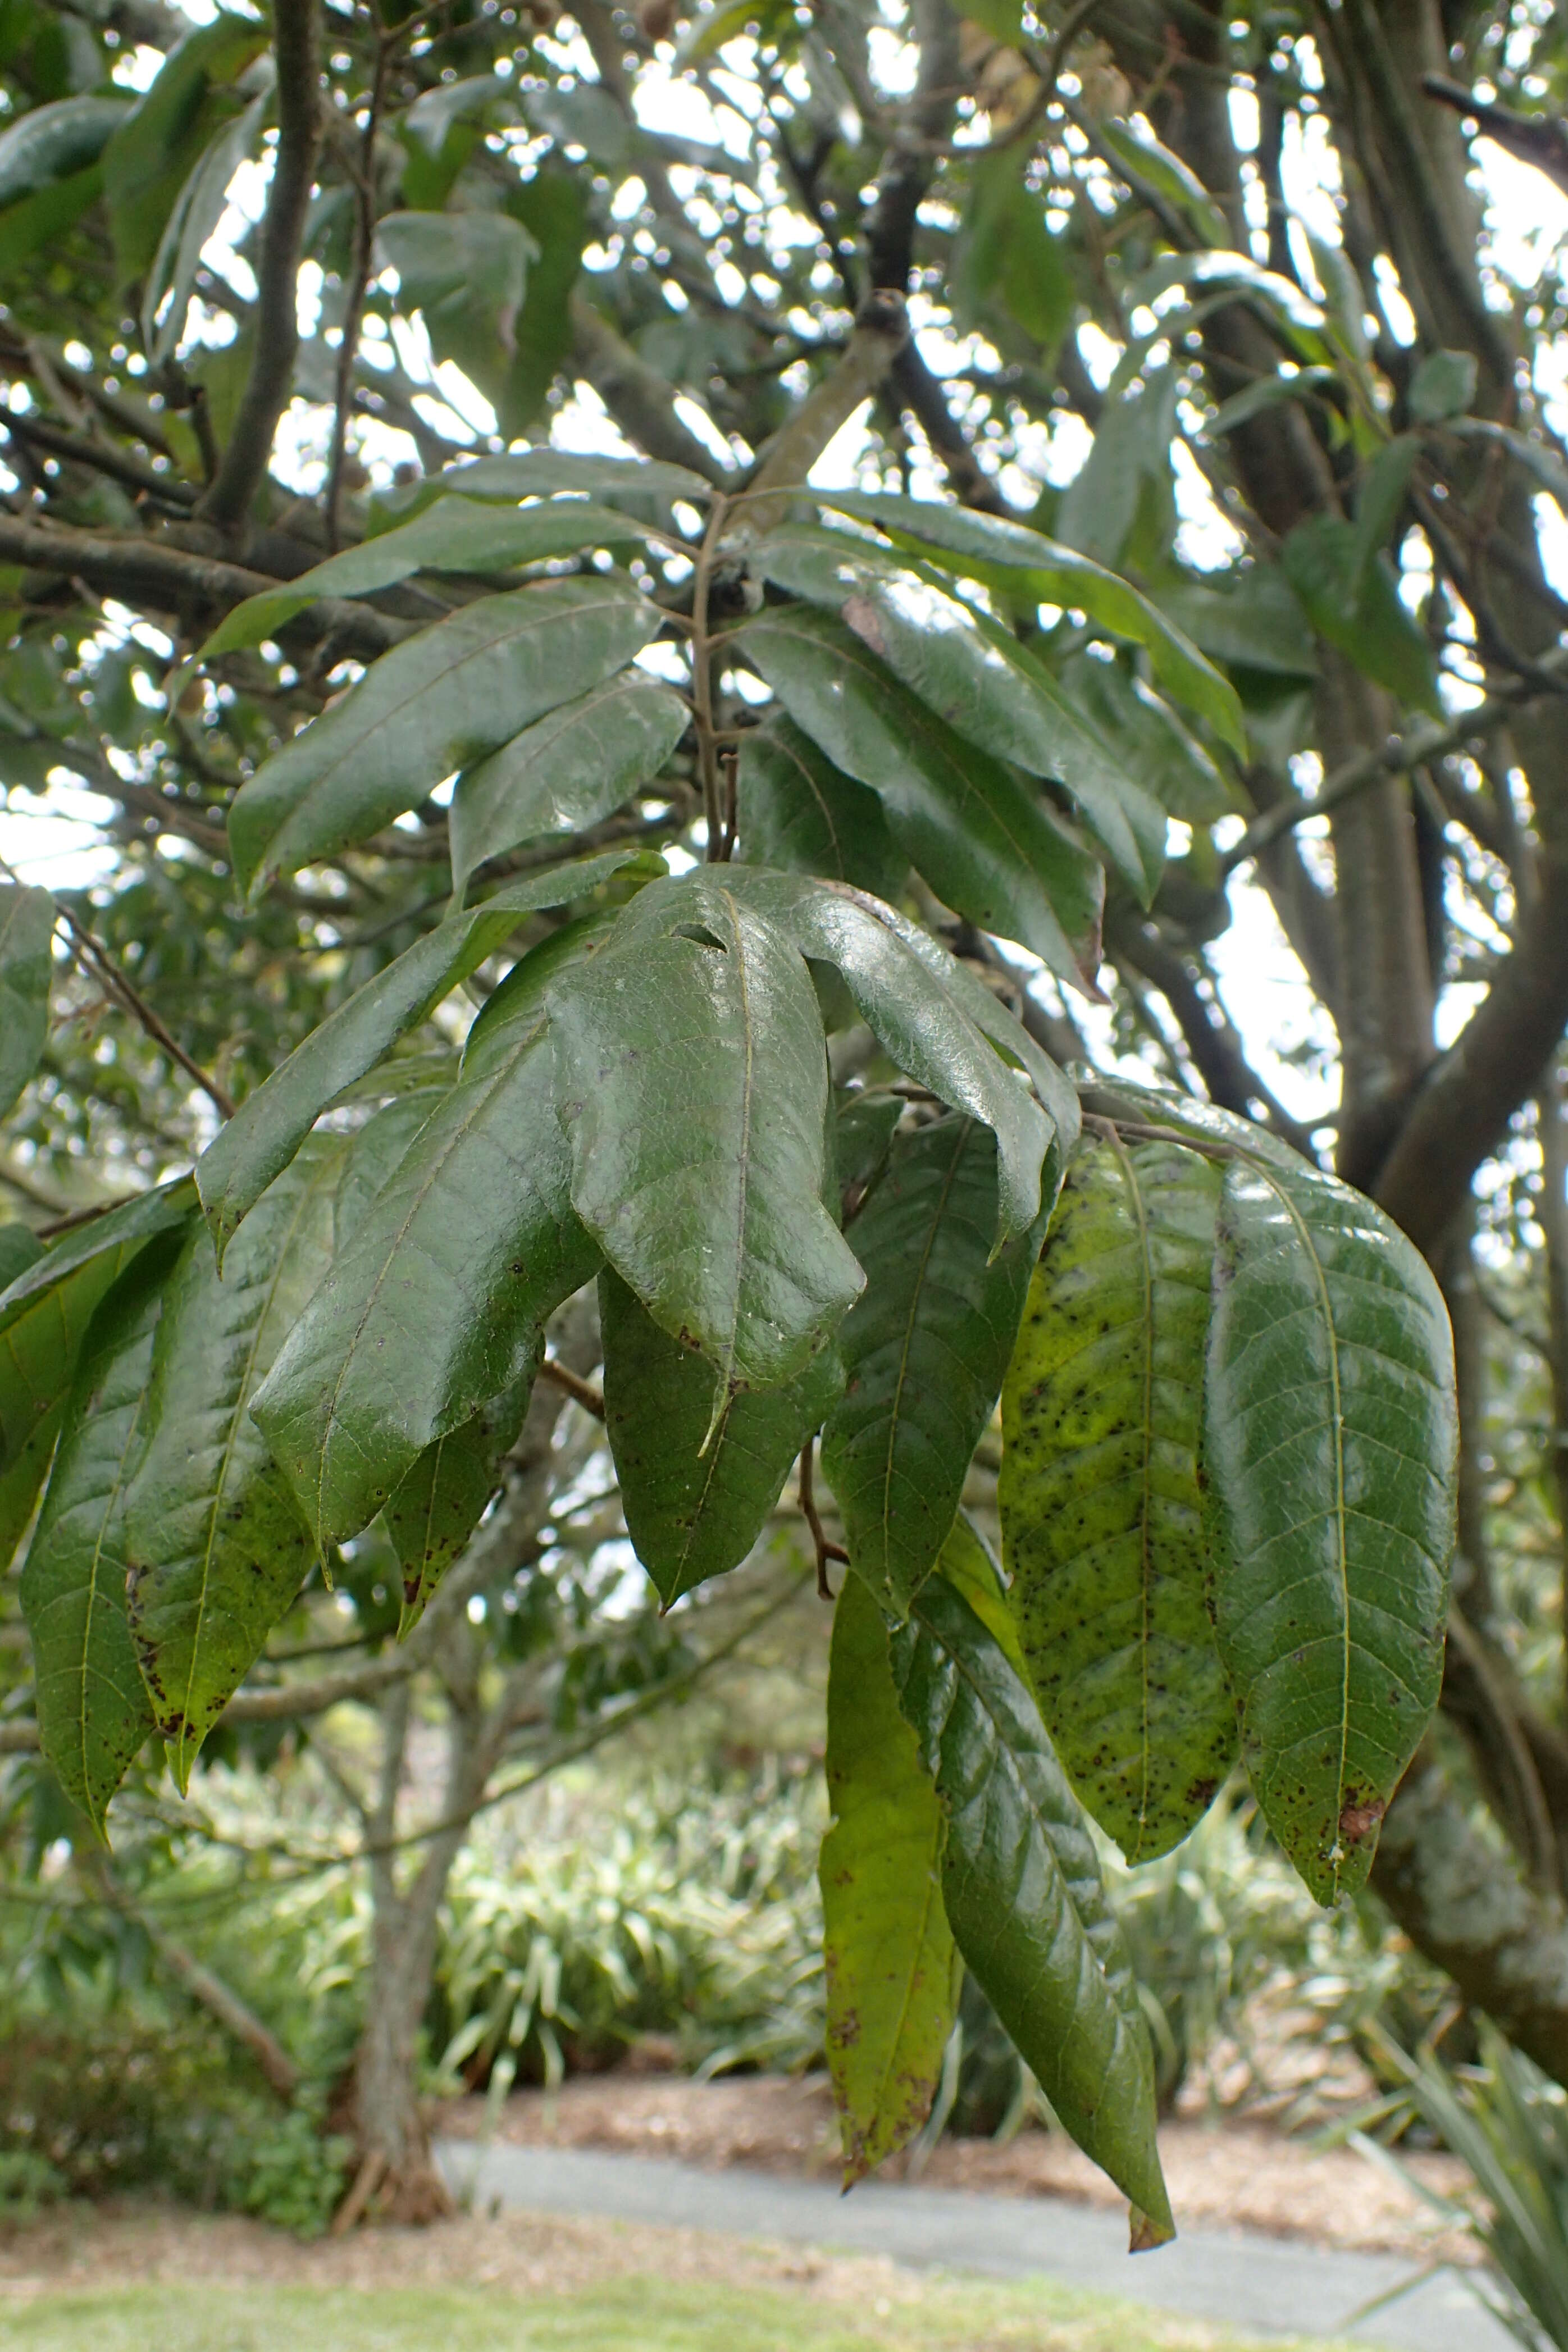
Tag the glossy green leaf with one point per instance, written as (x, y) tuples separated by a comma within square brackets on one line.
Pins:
[(554, 206), (936, 1019), (692, 1082), (215, 1550), (862, 1141), (798, 811), (565, 772), (94, 1712), (434, 110), (26, 927), (892, 1969), (1258, 625), (1022, 1889), (535, 473), (1354, 604), (44, 1317), (465, 271), (433, 704), (52, 142), (966, 1563), (266, 1132), (1100, 1505), (1330, 1438), (443, 1498), (1021, 562), (1159, 759), (692, 1514), (434, 1306), (172, 279), (1006, 256), (451, 535), (985, 846), (976, 676), (151, 153), (925, 1347)]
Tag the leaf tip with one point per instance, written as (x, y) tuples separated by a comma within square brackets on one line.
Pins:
[(1146, 2231)]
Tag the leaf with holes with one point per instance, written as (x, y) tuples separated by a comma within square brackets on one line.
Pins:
[(214, 1547), (1101, 1510), (892, 1969), (94, 1713), (1022, 1889), (986, 847), (567, 771), (432, 704), (925, 1347), (692, 1080), (798, 811), (266, 1132), (692, 1514), (1330, 1441), (444, 1497)]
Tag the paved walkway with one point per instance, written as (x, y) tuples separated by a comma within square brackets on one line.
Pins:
[(1256, 2284)]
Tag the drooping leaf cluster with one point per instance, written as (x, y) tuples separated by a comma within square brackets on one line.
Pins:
[(1226, 1388)]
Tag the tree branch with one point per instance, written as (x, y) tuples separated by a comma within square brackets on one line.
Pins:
[(298, 48), (639, 399), (881, 334)]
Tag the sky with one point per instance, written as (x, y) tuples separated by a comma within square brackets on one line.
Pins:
[(52, 841)]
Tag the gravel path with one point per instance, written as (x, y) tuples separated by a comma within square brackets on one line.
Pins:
[(1249, 2282)]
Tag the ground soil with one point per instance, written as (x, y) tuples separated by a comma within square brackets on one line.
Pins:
[(135, 2240), (1223, 2174)]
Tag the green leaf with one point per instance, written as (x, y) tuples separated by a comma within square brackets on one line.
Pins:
[(1004, 254), (375, 1154), (94, 1713), (49, 143), (1101, 1509), (1003, 20), (934, 1018), (1330, 1439), (1129, 455), (197, 214), (1443, 387), (692, 1082), (267, 1130), (450, 535), (553, 207), (1258, 625), (966, 1563), (986, 847), (892, 1969), (1023, 564), (153, 152), (972, 673), (436, 1304), (26, 927), (46, 215), (800, 811), (925, 1347), (1355, 605), (565, 772), (430, 706), (442, 1500), (535, 473), (215, 1549), (466, 273), (434, 110), (1269, 392), (862, 1141), (1159, 759), (692, 1514), (1381, 497), (1164, 171), (106, 1243), (1022, 1889)]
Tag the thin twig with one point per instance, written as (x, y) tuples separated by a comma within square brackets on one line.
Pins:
[(580, 1390), (824, 1549), (702, 679), (359, 286), (115, 980)]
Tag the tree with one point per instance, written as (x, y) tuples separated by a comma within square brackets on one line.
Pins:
[(792, 821)]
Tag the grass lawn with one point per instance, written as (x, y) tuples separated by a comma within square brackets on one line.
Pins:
[(624, 2314)]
